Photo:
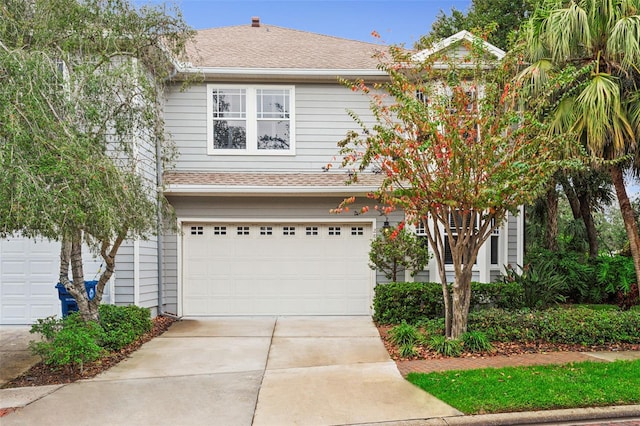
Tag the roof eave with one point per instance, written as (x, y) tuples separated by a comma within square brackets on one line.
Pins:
[(462, 35), (253, 190), (277, 73)]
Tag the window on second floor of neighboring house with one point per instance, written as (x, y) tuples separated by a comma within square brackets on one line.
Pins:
[(255, 120)]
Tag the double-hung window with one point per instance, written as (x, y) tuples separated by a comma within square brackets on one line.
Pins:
[(252, 120)]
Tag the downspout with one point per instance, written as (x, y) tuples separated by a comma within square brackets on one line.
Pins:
[(159, 227)]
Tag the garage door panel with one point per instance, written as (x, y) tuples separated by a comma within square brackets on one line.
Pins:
[(276, 269)]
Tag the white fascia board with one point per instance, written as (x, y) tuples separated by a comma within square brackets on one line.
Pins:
[(462, 35), (208, 190)]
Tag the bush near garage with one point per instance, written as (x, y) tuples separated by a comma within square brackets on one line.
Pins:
[(413, 302), (123, 324), (71, 343)]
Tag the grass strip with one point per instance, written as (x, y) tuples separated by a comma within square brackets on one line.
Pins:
[(511, 389)]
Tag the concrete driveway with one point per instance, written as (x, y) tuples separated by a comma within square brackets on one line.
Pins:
[(245, 371)]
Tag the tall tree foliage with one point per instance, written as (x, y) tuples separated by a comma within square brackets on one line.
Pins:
[(505, 15), (583, 68), (452, 153), (80, 89)]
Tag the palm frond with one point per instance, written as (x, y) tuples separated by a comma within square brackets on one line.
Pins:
[(567, 31), (537, 75), (624, 41), (601, 117)]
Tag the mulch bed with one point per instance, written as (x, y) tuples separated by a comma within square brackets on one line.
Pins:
[(41, 374), (506, 349)]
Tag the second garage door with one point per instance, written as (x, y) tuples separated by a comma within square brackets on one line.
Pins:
[(276, 269)]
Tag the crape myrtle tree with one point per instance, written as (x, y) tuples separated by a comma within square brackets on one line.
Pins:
[(452, 153), (80, 90), (582, 63)]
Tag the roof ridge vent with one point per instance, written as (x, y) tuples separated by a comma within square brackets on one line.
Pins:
[(255, 21)]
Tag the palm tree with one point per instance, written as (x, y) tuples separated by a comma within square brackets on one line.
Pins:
[(584, 67)]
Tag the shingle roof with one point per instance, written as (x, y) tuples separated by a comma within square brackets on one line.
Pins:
[(294, 181), (268, 46)]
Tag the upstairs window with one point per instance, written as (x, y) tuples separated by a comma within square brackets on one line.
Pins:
[(253, 120)]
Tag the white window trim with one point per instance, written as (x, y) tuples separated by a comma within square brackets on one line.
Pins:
[(252, 121)]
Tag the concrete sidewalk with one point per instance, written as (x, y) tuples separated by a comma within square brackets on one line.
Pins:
[(244, 371)]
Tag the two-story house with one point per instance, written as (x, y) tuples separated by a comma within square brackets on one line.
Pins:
[(254, 129)]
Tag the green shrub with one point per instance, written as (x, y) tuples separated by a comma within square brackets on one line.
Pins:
[(404, 334), (476, 341), (578, 278), (506, 295), (579, 325), (409, 302), (432, 327), (543, 286), (72, 345), (47, 327), (408, 351), (615, 273), (414, 302), (446, 347), (585, 280), (123, 325), (394, 251), (70, 342)]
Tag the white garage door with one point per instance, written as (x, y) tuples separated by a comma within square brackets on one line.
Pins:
[(28, 274), (276, 269)]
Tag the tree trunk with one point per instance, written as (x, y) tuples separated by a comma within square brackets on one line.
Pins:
[(628, 217), (552, 219), (587, 218), (579, 198), (569, 191), (447, 300), (461, 299), (71, 255)]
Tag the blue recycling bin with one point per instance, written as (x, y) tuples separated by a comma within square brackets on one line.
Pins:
[(68, 302)]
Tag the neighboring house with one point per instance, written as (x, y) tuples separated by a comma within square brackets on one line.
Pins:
[(253, 131)]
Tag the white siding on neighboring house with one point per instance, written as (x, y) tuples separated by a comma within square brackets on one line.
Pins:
[(29, 271)]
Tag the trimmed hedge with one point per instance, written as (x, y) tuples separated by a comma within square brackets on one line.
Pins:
[(413, 302), (580, 325)]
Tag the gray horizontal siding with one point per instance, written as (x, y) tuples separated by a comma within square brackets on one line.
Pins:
[(512, 257), (170, 271), (124, 275), (321, 122), (148, 273), (316, 208)]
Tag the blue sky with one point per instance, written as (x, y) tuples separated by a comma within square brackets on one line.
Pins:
[(399, 21)]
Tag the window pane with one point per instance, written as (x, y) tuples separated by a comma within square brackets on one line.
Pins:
[(273, 134), (229, 134), (494, 249), (229, 103), (448, 257), (273, 103)]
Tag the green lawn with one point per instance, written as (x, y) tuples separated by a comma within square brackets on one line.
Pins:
[(585, 384)]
